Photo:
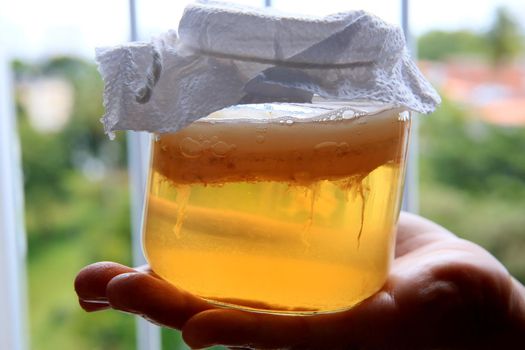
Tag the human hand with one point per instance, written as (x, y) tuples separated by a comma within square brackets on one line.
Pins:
[(442, 293)]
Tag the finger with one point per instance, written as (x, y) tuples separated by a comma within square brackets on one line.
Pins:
[(370, 324), (414, 232), (242, 329), (91, 281), (153, 298)]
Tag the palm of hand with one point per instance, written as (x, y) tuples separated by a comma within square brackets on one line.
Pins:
[(442, 293)]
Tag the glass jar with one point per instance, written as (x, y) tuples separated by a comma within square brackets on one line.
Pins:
[(279, 208)]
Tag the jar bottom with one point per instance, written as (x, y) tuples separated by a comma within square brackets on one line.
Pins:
[(263, 308)]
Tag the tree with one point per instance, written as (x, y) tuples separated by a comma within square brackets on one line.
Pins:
[(500, 44), (438, 44), (504, 38)]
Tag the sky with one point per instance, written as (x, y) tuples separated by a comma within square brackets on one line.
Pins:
[(32, 29)]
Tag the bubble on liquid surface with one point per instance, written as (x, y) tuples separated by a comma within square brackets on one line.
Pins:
[(286, 121), (221, 149), (329, 147), (190, 148), (333, 116), (348, 114), (326, 147)]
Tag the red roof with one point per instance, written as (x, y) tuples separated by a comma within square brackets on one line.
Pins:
[(498, 94), (507, 112)]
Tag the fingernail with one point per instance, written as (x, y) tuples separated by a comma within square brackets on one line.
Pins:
[(93, 306), (95, 300)]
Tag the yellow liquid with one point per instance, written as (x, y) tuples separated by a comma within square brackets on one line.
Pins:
[(300, 222)]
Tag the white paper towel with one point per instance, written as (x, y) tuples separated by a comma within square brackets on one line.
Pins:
[(225, 54)]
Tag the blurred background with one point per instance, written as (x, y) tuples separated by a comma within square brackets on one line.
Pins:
[(77, 203)]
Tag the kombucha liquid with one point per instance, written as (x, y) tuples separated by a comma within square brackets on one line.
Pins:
[(277, 211)]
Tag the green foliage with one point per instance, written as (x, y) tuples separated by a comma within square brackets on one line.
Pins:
[(505, 41), (462, 151), (473, 173), (502, 43), (57, 322), (491, 221), (72, 219), (438, 45), (473, 181)]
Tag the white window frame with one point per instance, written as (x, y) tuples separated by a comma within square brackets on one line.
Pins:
[(13, 295), (147, 334), (411, 190)]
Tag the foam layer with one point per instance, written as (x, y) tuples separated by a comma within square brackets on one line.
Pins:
[(244, 145)]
